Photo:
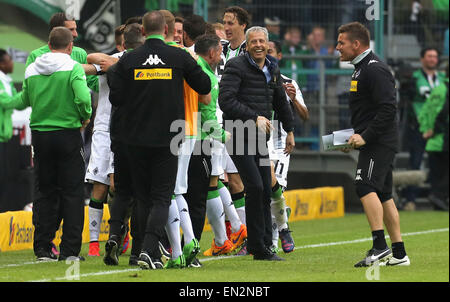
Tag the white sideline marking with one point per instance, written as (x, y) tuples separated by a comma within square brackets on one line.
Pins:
[(101, 273)]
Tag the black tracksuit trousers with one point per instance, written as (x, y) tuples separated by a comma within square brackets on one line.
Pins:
[(153, 173), (254, 170), (199, 173), (59, 169)]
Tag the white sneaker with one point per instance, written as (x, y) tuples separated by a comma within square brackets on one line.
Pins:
[(395, 261)]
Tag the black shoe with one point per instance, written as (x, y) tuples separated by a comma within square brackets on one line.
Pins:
[(375, 255), (43, 255), (195, 263), (147, 262), (111, 251), (438, 203), (70, 258), (133, 260), (267, 255)]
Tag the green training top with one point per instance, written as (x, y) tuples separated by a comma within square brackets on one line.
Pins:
[(55, 88), (428, 114), (78, 54), (210, 126), (9, 99), (422, 90)]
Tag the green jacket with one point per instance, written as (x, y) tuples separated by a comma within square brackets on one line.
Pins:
[(422, 90), (9, 100), (210, 127), (428, 114), (78, 54), (55, 88)]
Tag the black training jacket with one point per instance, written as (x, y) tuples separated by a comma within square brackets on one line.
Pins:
[(146, 87), (373, 104), (244, 93)]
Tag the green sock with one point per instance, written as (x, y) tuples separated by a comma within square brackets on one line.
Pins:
[(276, 191)]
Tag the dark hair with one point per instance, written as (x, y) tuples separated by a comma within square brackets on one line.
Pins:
[(277, 45), (60, 37), (241, 15), (356, 31), (153, 22), (132, 36), (194, 26), (179, 19), (131, 20), (210, 29), (58, 19), (118, 32), (206, 42), (424, 51), (3, 53)]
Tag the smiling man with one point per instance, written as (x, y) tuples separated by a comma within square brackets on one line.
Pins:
[(251, 87), (373, 116)]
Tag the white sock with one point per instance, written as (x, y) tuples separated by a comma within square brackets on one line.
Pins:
[(239, 204), (216, 217), (185, 219), (229, 208), (278, 209), (275, 234), (241, 213), (173, 229), (95, 220)]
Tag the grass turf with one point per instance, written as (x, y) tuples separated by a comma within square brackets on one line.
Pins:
[(326, 251)]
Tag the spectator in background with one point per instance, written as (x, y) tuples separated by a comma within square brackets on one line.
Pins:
[(9, 100), (316, 41), (273, 27), (415, 19), (178, 36), (433, 119), (425, 80), (292, 46)]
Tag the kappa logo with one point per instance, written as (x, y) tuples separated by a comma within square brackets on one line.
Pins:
[(356, 74), (358, 175), (372, 61), (153, 60)]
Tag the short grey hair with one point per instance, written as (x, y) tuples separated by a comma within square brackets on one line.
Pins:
[(256, 29)]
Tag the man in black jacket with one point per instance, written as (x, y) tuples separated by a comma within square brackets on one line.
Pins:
[(250, 89), (373, 109), (147, 89)]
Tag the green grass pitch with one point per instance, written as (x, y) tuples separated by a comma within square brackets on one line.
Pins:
[(326, 251)]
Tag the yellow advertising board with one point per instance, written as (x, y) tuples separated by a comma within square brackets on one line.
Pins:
[(17, 230), (317, 203)]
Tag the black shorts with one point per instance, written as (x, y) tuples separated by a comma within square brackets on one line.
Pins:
[(374, 171)]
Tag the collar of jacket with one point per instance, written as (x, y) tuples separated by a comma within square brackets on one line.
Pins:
[(369, 55), (271, 62), (156, 37), (360, 57)]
